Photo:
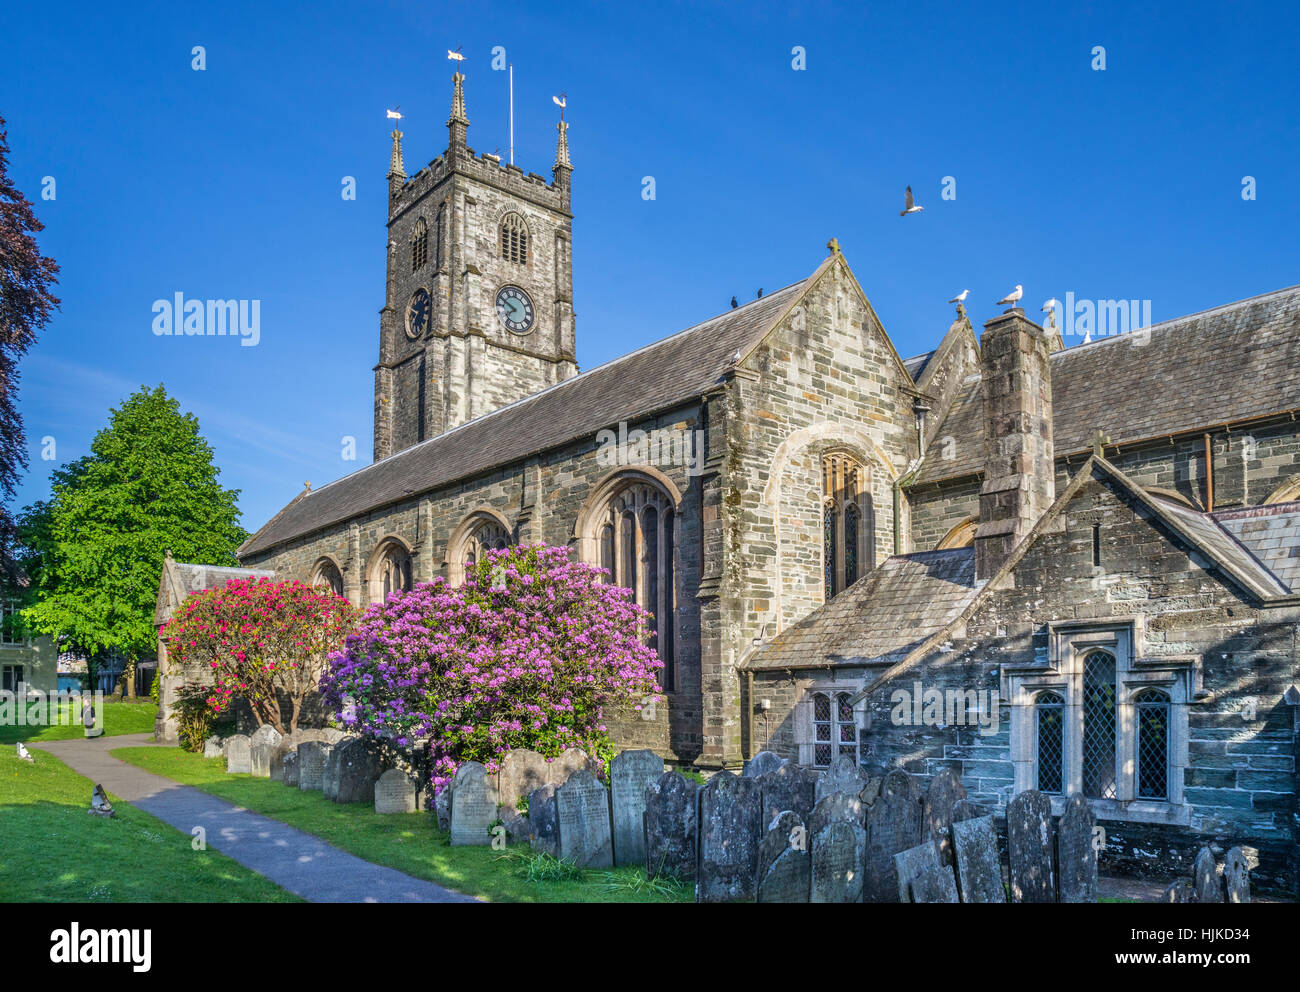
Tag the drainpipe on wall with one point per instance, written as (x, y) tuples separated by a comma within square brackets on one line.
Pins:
[(1209, 475), (919, 409)]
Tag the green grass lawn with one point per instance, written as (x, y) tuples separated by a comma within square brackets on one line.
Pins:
[(409, 842), (119, 718), (54, 851)]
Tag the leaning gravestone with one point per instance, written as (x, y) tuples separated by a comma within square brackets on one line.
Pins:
[(762, 763), (1076, 856), (289, 769), (238, 759), (395, 792), (629, 774), (543, 830), (312, 757), (844, 775), (260, 747), (730, 828), (893, 825), (791, 787), (359, 767), (921, 878), (1029, 848), (1205, 877), (582, 813), (944, 792), (1236, 875), (838, 852), (521, 772), (979, 870), (784, 863), (1180, 891), (473, 806), (671, 804)]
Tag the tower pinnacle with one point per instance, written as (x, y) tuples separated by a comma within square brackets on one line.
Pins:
[(396, 171), (458, 122)]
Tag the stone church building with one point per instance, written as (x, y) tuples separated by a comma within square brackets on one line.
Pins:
[(1089, 553)]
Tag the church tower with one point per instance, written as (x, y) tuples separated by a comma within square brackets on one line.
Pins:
[(478, 309)]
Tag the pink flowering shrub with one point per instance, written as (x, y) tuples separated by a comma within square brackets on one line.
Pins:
[(263, 640), (528, 653)]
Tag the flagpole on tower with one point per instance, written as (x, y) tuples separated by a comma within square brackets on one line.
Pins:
[(512, 113)]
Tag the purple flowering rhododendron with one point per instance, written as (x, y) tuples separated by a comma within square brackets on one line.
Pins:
[(527, 653)]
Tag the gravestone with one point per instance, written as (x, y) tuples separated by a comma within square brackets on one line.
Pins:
[(893, 825), (212, 748), (582, 814), (944, 792), (629, 774), (789, 787), (260, 747), (289, 769), (761, 764), (784, 862), (359, 767), (836, 806), (515, 822), (966, 809), (921, 877), (543, 836), (730, 828), (1205, 877), (473, 806), (238, 758), (395, 792), (670, 827), (287, 746), (1180, 891), (442, 808), (330, 735), (329, 780), (843, 775), (838, 853), (312, 758), (979, 870), (1076, 857), (1236, 875), (570, 760), (521, 772), (1029, 848)]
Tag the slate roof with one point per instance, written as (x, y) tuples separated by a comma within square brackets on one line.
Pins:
[(180, 578), (880, 619), (1271, 534), (1231, 363), (657, 377), (917, 363)]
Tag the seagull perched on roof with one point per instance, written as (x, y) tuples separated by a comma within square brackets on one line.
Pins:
[(908, 206), (1049, 308), (960, 297), (1013, 297)]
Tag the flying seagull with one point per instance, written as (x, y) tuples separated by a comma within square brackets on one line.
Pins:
[(1013, 297), (909, 207), (960, 297), (393, 115)]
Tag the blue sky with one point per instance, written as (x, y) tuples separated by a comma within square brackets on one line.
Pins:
[(225, 183)]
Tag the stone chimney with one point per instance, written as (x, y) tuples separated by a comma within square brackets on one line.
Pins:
[(1019, 465)]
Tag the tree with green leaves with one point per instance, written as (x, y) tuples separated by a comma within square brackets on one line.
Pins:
[(94, 550)]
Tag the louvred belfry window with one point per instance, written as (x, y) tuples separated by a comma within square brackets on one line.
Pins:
[(514, 239)]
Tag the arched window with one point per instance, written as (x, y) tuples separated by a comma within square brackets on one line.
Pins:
[(514, 239), (834, 730), (1152, 706), (328, 576), (482, 531), (391, 573), (1049, 728), (490, 536), (1099, 725), (419, 245), (847, 523)]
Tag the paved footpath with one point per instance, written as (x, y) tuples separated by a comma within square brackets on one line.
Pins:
[(297, 861)]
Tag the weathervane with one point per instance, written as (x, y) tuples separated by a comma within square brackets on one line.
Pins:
[(561, 101)]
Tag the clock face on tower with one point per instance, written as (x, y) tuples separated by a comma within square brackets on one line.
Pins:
[(417, 314), (515, 309)]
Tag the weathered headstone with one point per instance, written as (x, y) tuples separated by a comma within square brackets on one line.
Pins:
[(1180, 891), (212, 748), (570, 760), (1076, 855), (838, 854), (329, 780), (521, 772), (836, 806), (629, 774), (359, 768), (1205, 877), (730, 828), (312, 758), (761, 764), (582, 813), (543, 829), (1029, 848), (965, 809), (287, 746), (791, 787), (289, 769), (670, 827), (473, 806), (921, 878), (1236, 875), (442, 808), (844, 775), (395, 792), (238, 759), (979, 870), (784, 861), (514, 821), (944, 792), (893, 825), (260, 747)]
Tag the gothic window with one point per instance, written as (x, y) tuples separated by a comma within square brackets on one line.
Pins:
[(847, 523), (514, 239), (490, 536), (392, 573), (1049, 735), (478, 534), (1099, 725), (835, 731), (419, 245), (328, 577), (1152, 707)]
